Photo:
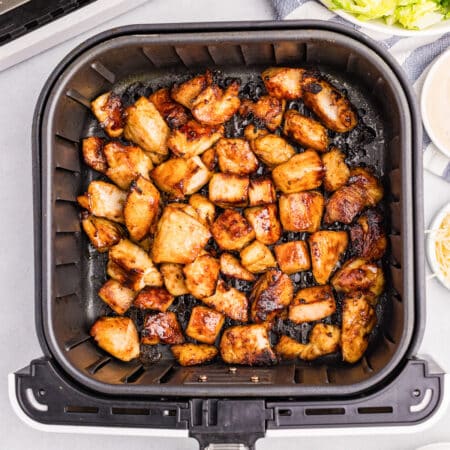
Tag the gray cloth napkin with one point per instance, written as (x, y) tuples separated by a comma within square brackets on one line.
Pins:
[(415, 55)]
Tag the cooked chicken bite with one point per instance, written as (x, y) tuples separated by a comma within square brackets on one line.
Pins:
[(156, 298), (119, 298), (206, 211), (302, 172), (231, 267), (358, 321), (301, 211), (267, 109), (161, 328), (146, 128), (306, 131), (174, 278), (313, 303), (251, 132), (185, 92), (264, 221), (193, 139), (214, 106), (257, 258), (229, 301), (108, 110), (117, 336), (141, 208), (271, 294), (232, 231), (272, 149), (235, 156), (292, 257), (204, 324), (261, 192), (93, 156), (368, 237), (227, 189), (102, 233), (337, 172), (327, 248), (201, 276), (104, 200), (209, 158), (193, 354), (283, 82), (359, 275), (173, 113), (247, 344)]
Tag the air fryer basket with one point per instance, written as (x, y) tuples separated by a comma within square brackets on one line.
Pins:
[(71, 273)]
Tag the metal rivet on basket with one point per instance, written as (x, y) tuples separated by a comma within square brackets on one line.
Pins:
[(254, 379), (232, 369), (202, 378)]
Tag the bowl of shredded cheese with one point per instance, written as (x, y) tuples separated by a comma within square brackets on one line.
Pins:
[(438, 246)]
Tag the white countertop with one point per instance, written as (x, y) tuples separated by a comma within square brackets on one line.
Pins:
[(20, 87)]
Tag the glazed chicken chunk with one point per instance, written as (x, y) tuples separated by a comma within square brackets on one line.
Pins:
[(313, 303), (269, 110), (206, 211), (293, 257), (102, 233), (261, 191), (117, 336), (156, 298), (119, 298), (173, 113), (201, 276), (247, 344), (264, 221), (186, 92), (161, 328), (193, 354), (283, 82), (93, 155), (174, 280), (337, 172), (204, 324), (235, 156), (272, 149), (209, 158), (226, 189), (108, 110), (257, 258), (232, 231), (231, 267)]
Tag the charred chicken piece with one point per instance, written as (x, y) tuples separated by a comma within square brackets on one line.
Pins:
[(117, 336), (204, 324), (193, 354), (156, 298), (232, 231), (270, 295), (235, 156), (186, 92), (252, 132), (228, 301), (108, 110), (174, 114), (257, 258), (206, 211), (104, 200), (261, 192), (247, 344), (174, 279), (302, 172), (93, 155), (283, 82), (293, 257), (367, 235), (231, 267), (201, 276), (102, 233), (162, 328), (267, 109), (327, 248), (313, 303), (214, 106), (209, 158), (337, 172), (264, 221), (227, 189), (358, 321), (119, 298), (272, 149), (305, 131), (179, 237), (301, 211)]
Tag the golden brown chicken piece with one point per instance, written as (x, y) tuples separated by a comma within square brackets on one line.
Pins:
[(359, 275), (292, 257), (93, 155), (302, 172), (261, 192), (232, 231), (267, 109), (257, 258), (206, 211), (358, 321), (104, 200), (174, 114), (134, 267), (231, 267), (102, 233), (146, 128), (161, 328), (193, 354), (264, 221), (174, 279), (227, 189), (119, 298), (228, 301), (305, 131), (108, 110), (214, 106), (156, 298), (283, 82), (141, 208), (301, 211), (209, 158), (117, 336), (327, 248), (204, 324), (328, 104), (272, 149), (247, 344), (190, 89), (368, 237), (180, 177), (252, 132), (323, 340), (179, 237), (337, 172), (202, 275), (271, 294), (313, 303), (235, 156)]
